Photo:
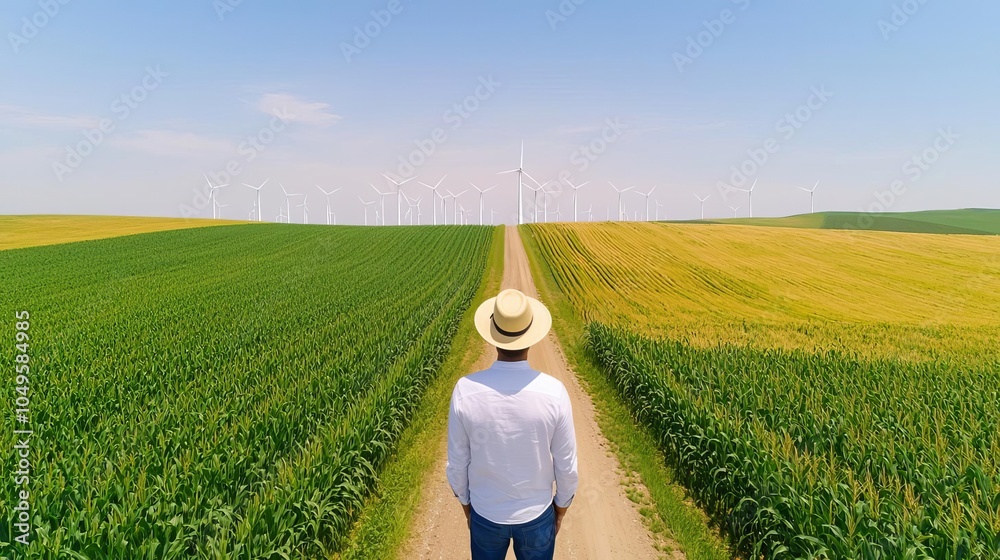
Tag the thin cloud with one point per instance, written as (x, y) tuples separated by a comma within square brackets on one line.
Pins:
[(297, 110), (15, 115), (172, 143)]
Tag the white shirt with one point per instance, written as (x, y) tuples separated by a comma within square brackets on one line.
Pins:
[(510, 436)]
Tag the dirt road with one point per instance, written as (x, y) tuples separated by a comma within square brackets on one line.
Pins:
[(601, 524)]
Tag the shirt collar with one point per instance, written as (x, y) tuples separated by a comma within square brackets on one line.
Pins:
[(520, 364)]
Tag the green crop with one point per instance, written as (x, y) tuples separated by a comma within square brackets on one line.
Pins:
[(225, 392), (822, 455)]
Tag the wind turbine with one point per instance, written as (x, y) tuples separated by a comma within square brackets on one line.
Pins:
[(589, 212), (444, 210), (258, 195), (575, 189), (481, 193), (658, 205), (620, 191), (211, 195), (305, 209), (646, 195), (288, 207), (534, 208), (220, 207), (455, 204), (382, 195), (366, 205), (399, 203), (434, 189), (412, 204), (702, 201), (493, 216), (534, 203), (328, 212), (749, 196), (520, 171), (735, 209), (812, 193), (545, 203)]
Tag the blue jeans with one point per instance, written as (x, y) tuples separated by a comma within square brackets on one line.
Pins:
[(534, 540)]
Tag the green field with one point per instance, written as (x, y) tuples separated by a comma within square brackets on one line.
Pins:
[(224, 392), (969, 221), (822, 394)]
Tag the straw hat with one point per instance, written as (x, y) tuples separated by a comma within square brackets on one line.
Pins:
[(512, 320)]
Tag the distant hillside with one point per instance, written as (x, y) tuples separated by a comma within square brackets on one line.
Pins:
[(970, 221)]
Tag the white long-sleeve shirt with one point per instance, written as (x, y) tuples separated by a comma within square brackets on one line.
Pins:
[(510, 436)]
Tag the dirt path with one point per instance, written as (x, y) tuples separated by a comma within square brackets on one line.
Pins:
[(601, 524)]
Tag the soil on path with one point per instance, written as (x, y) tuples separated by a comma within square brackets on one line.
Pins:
[(601, 524)]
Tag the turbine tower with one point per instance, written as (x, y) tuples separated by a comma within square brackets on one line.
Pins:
[(545, 204), (455, 204), (749, 197), (257, 211), (534, 202), (288, 207), (647, 200), (620, 191), (481, 193), (575, 189), (812, 193), (382, 195), (366, 205), (328, 211), (305, 209), (735, 209), (399, 202), (520, 182), (434, 189), (702, 201), (211, 195), (220, 207)]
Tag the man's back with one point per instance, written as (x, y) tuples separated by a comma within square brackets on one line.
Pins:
[(510, 436)]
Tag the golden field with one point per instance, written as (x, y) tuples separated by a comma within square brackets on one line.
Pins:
[(910, 296), (33, 230)]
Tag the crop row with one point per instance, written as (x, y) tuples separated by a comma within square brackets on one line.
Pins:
[(806, 455), (226, 392)]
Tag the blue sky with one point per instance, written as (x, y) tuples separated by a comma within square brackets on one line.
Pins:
[(597, 90)]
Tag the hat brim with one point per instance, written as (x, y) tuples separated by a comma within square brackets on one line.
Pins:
[(541, 322)]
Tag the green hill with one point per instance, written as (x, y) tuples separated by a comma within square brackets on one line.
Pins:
[(970, 221)]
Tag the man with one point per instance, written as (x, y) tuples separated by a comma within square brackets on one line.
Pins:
[(510, 436)]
